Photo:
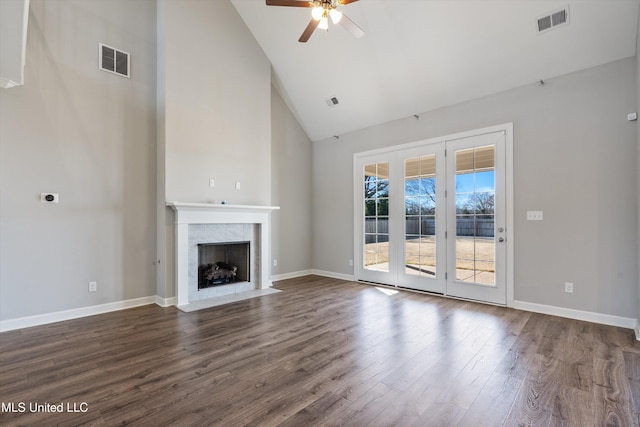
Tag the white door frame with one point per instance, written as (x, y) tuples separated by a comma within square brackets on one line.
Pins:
[(495, 293), (438, 283), (507, 128), (358, 165)]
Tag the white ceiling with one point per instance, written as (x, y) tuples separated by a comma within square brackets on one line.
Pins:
[(419, 55)]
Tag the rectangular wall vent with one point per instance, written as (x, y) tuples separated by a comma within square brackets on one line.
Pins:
[(114, 60), (552, 20)]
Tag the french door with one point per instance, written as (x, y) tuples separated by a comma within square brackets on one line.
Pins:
[(432, 216)]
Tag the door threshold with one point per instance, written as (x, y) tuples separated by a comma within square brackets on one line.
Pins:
[(435, 294)]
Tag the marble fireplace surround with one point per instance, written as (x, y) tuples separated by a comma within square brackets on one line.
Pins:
[(191, 214)]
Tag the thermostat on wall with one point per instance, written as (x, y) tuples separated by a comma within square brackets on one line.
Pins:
[(632, 116), (49, 197)]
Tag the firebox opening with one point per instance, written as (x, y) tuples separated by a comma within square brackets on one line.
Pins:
[(222, 263)]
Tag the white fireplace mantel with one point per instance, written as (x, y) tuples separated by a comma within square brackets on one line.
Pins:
[(209, 213)]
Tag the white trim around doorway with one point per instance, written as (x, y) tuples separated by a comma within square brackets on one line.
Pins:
[(507, 128)]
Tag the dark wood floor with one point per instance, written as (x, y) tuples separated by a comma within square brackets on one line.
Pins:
[(324, 352)]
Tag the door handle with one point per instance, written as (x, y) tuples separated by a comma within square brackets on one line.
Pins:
[(500, 239)]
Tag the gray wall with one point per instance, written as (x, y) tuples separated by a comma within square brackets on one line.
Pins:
[(89, 136), (290, 189), (638, 157), (217, 106), (214, 115), (574, 158), (164, 224)]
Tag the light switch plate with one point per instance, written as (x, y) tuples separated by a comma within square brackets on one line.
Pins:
[(534, 215)]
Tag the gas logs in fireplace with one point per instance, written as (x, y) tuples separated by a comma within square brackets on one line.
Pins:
[(222, 263), (217, 274)]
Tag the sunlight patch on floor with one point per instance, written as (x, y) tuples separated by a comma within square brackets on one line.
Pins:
[(387, 291)]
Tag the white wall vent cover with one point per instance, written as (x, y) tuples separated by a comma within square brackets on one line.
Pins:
[(114, 60), (552, 20)]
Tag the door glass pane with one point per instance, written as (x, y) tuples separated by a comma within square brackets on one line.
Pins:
[(475, 215), (420, 220), (376, 217)]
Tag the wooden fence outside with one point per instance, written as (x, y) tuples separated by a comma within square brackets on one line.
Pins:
[(479, 227)]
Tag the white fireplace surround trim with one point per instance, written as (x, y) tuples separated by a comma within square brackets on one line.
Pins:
[(208, 213)]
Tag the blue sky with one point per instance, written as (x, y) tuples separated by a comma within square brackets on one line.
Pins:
[(479, 182)]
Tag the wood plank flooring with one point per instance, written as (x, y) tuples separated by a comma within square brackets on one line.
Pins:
[(323, 352)]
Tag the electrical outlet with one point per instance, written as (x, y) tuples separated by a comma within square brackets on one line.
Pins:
[(237, 185), (93, 286), (351, 262), (212, 183), (568, 287), (275, 262)]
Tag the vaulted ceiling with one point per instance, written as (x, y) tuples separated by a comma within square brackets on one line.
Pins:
[(420, 55)]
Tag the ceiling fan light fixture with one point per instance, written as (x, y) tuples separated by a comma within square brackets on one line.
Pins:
[(324, 23), (321, 11), (335, 15), (317, 13)]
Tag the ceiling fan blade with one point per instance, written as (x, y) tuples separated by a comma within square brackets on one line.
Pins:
[(308, 31), (351, 26), (348, 1), (291, 3)]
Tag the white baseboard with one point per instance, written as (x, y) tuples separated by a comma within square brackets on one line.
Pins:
[(58, 316), (604, 319), (341, 276), (165, 302), (292, 275), (43, 319)]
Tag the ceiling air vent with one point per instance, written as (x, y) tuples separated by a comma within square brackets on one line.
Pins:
[(113, 60), (332, 102), (552, 20)]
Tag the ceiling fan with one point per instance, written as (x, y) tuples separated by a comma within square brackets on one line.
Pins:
[(321, 11)]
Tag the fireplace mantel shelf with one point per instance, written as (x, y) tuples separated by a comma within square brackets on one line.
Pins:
[(220, 207)]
